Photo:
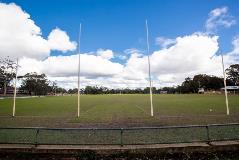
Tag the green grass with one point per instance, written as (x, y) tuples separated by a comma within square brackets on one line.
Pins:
[(119, 110)]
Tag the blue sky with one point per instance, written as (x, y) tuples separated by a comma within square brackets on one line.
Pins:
[(120, 24), (183, 35)]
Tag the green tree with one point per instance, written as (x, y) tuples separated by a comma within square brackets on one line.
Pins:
[(233, 73), (147, 89), (35, 84), (7, 73), (189, 86), (74, 91)]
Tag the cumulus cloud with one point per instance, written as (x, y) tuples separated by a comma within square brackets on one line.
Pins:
[(235, 44), (188, 56), (59, 40), (20, 36), (122, 57), (164, 42), (219, 17), (178, 58), (66, 66), (233, 56), (132, 51), (190, 53), (105, 54), (135, 67)]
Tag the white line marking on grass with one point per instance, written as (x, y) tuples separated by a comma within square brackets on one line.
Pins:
[(89, 109), (141, 109), (22, 97), (35, 116)]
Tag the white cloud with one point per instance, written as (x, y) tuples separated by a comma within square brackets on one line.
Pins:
[(122, 57), (59, 40), (105, 54), (132, 51), (28, 65), (219, 17), (20, 36), (179, 58), (190, 55), (164, 42), (65, 66), (233, 56), (235, 44), (135, 68)]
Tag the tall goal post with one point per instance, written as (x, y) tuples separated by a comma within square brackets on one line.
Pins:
[(15, 92), (225, 85), (149, 70), (78, 95)]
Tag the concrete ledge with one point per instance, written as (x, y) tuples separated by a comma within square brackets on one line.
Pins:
[(185, 151), (114, 149)]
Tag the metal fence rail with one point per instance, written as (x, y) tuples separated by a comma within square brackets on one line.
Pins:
[(120, 136)]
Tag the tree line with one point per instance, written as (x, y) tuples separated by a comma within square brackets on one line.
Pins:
[(7, 68), (189, 85), (38, 84)]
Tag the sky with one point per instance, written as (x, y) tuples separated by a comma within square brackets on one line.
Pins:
[(186, 38)]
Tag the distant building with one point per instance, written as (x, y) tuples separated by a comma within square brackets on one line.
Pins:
[(163, 92), (231, 89), (10, 90), (201, 90)]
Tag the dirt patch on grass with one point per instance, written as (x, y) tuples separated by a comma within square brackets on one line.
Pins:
[(116, 122)]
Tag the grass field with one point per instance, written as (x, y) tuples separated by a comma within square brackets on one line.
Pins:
[(119, 111)]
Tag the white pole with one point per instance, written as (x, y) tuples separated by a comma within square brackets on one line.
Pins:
[(15, 93), (150, 83), (78, 110), (225, 85)]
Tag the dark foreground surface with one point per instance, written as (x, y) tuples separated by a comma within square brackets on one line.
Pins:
[(226, 150), (92, 156)]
